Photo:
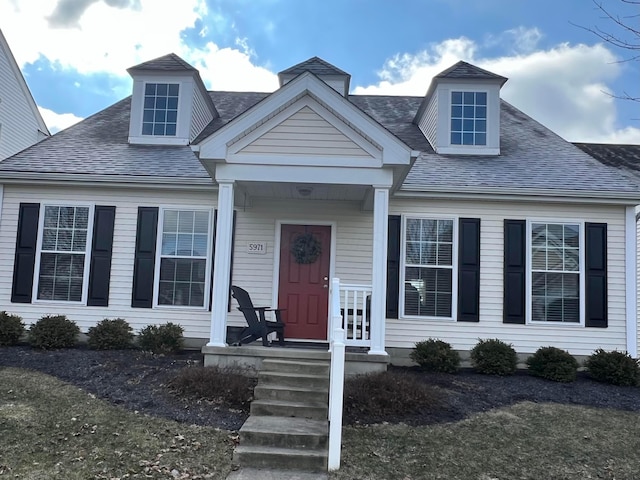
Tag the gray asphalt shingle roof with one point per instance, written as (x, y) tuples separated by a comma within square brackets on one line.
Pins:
[(532, 157), (315, 65), (623, 157), (466, 70), (166, 63)]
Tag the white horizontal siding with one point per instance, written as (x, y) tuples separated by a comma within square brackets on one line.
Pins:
[(638, 274), (305, 133), (525, 338), (18, 126), (429, 122), (352, 264), (196, 322), (256, 273), (201, 115)]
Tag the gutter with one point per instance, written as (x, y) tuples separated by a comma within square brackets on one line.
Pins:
[(182, 183), (529, 194)]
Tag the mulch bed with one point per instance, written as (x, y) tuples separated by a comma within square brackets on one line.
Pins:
[(137, 380)]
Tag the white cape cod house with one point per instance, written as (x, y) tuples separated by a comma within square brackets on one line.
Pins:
[(451, 216)]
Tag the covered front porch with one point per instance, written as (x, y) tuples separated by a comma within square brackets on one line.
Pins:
[(304, 180)]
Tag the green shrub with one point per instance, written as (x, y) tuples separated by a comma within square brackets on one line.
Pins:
[(614, 367), (165, 338), (110, 334), (11, 328), (378, 396), (553, 364), (53, 331), (230, 386), (435, 356), (494, 357)]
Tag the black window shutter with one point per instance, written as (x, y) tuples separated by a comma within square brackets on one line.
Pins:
[(393, 265), (596, 275), (515, 273), (145, 257), (101, 249), (25, 256), (469, 270), (233, 241)]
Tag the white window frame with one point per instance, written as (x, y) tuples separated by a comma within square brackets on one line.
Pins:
[(450, 104), (581, 272), (87, 253), (144, 95), (159, 256), (454, 267)]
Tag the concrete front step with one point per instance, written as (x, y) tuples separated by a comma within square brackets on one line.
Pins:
[(291, 394), (308, 460), (296, 366), (284, 432), (281, 408), (293, 379), (270, 474)]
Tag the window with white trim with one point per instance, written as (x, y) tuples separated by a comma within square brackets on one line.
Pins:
[(184, 247), (160, 112), (468, 118), (428, 267), (63, 253), (555, 272)]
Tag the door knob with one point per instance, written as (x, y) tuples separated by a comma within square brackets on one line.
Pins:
[(326, 278)]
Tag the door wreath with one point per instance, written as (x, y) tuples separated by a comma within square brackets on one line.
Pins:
[(306, 248)]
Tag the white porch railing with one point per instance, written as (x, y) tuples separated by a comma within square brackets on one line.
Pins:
[(350, 325), (354, 314), (336, 380)]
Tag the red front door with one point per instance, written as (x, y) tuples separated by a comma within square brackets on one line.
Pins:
[(304, 280)]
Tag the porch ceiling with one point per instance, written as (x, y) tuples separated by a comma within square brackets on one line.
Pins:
[(302, 191)]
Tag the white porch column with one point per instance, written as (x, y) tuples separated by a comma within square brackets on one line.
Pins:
[(631, 280), (222, 265), (379, 271)]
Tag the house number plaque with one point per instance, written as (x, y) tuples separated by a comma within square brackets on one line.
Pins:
[(257, 248)]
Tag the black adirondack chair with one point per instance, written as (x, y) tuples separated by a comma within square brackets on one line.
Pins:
[(258, 325)]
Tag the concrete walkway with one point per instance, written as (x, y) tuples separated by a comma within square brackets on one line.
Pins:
[(261, 474)]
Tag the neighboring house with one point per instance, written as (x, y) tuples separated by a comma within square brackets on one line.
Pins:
[(21, 124), (456, 214)]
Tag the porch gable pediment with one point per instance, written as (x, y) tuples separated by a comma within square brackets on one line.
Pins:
[(304, 123), (305, 133)]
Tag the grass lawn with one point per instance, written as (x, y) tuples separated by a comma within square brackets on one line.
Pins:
[(525, 441), (51, 430)]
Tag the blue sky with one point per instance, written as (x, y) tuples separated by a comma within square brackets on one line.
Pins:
[(559, 73)]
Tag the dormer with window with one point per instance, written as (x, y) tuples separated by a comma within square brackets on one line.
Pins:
[(460, 113), (170, 104)]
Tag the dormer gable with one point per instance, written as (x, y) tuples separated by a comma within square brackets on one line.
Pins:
[(170, 104), (460, 113), (329, 74)]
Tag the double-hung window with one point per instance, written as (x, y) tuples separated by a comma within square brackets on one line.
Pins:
[(555, 272), (160, 112), (183, 265), (468, 118), (429, 267), (63, 252)]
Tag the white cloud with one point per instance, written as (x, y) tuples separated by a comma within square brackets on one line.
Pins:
[(565, 87), (58, 121), (109, 39), (231, 69)]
